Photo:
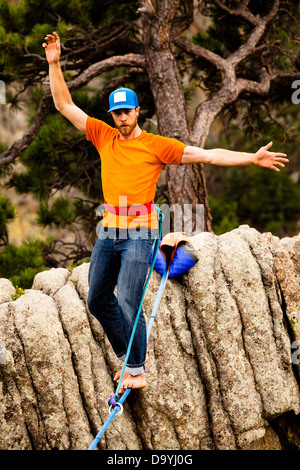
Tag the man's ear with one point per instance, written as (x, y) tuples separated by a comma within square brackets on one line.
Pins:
[(138, 110)]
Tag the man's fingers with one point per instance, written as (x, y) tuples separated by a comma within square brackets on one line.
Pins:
[(269, 145), (56, 37), (279, 157), (52, 38), (276, 164)]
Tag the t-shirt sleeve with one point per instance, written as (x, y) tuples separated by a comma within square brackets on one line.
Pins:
[(98, 132), (168, 150)]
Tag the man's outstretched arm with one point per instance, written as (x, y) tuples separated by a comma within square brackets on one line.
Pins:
[(60, 93), (222, 157)]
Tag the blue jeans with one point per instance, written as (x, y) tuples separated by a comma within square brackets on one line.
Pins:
[(121, 257)]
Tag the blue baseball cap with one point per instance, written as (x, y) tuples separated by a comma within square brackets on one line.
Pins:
[(122, 98)]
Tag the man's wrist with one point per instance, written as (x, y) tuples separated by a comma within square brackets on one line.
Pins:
[(253, 158), (54, 64)]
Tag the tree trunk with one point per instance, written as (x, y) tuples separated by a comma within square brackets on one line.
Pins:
[(186, 185)]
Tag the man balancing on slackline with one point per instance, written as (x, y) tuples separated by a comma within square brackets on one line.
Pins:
[(131, 161)]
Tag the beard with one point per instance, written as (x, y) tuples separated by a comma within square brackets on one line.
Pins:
[(126, 129)]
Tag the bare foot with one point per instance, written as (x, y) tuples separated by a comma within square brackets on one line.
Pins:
[(117, 376), (131, 381)]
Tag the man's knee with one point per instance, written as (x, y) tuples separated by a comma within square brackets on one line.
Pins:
[(129, 306), (95, 304)]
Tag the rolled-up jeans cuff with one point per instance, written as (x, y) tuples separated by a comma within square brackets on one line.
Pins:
[(135, 370), (122, 358), (132, 370)]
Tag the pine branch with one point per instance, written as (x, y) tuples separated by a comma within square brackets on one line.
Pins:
[(199, 51), (249, 46), (128, 60), (260, 87), (241, 12), (147, 8), (231, 86)]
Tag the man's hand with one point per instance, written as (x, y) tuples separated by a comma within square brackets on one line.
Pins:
[(61, 96), (52, 48), (269, 159)]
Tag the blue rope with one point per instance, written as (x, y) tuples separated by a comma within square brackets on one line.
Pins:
[(128, 390), (157, 242), (114, 399), (156, 303)]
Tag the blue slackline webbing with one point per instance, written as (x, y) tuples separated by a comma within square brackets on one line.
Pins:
[(128, 390), (156, 248), (150, 324), (156, 303)]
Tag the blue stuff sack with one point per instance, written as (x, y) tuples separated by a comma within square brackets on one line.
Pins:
[(160, 264), (175, 251)]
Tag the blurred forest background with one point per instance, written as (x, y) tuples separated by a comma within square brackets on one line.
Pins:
[(50, 185)]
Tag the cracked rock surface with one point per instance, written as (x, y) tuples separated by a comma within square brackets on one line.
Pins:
[(224, 367)]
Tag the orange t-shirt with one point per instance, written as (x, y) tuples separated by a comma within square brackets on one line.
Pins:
[(130, 169)]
